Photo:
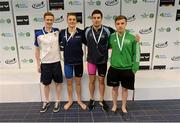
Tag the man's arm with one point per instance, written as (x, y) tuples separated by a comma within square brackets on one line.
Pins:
[(37, 56)]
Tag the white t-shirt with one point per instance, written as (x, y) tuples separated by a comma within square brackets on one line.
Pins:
[(49, 45)]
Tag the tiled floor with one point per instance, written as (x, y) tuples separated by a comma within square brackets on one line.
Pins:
[(160, 111)]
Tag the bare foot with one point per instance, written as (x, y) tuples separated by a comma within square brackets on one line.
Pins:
[(114, 108), (68, 105), (82, 105)]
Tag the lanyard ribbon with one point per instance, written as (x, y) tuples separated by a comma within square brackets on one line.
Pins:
[(122, 41), (72, 34), (97, 41)]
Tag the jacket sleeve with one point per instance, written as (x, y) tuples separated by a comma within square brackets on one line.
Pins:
[(109, 42), (84, 41), (136, 56), (61, 45)]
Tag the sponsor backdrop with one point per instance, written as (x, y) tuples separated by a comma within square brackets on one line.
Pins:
[(28, 15), (156, 21), (167, 38), (8, 49)]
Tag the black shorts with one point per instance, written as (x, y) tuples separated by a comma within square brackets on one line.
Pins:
[(102, 69), (117, 76), (51, 71)]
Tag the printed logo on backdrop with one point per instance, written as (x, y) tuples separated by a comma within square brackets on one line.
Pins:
[(178, 29), (144, 43), (178, 15), (144, 67), (175, 67), (38, 19), (24, 34), (27, 61), (9, 48), (56, 4), (111, 2), (146, 30), (22, 20), (89, 17), (147, 15), (145, 57), (131, 1), (176, 43), (6, 34), (38, 5), (164, 29), (160, 56), (131, 18), (75, 2), (159, 67), (110, 17), (4, 6), (167, 2), (10, 61), (175, 58), (25, 48), (162, 45), (23, 5), (59, 19), (166, 14), (5, 21), (94, 2), (149, 1)]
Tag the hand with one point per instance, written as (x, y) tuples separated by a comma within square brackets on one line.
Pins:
[(138, 38)]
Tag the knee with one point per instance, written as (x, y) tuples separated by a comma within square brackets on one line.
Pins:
[(115, 89), (124, 89), (78, 83), (69, 84)]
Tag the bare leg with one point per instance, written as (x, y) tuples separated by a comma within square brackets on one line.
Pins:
[(124, 99), (70, 100), (58, 92), (92, 79), (114, 96), (101, 87), (78, 92), (46, 92)]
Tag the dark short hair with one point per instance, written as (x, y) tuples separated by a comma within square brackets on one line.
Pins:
[(48, 14), (96, 11), (71, 14), (120, 17)]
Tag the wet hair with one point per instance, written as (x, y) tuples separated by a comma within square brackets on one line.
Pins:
[(120, 17), (48, 14), (96, 11)]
